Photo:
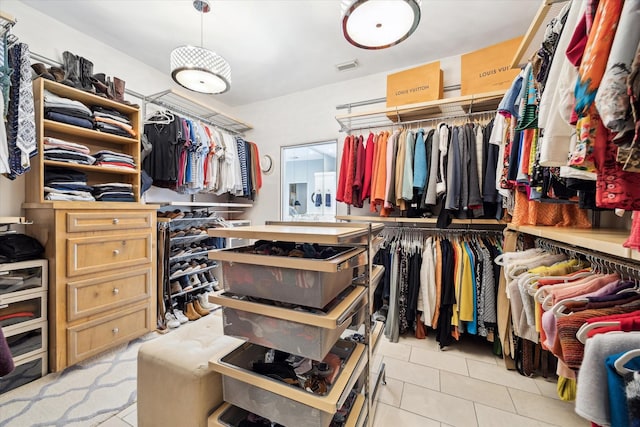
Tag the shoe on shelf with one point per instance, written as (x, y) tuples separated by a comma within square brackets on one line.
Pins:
[(203, 279), (171, 320), (180, 316), (184, 282), (175, 287), (194, 281), (191, 312), (203, 299), (199, 309)]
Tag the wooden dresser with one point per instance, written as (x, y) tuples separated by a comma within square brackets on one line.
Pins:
[(102, 276)]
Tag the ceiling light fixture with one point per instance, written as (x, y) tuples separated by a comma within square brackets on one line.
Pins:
[(378, 24), (199, 69)]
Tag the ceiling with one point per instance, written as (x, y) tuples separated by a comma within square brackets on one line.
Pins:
[(281, 47)]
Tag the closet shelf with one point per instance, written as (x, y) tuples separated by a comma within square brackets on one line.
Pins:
[(13, 220), (87, 98), (91, 168), (332, 234), (183, 104), (63, 204), (51, 126), (607, 241), (188, 291), (532, 40), (424, 111)]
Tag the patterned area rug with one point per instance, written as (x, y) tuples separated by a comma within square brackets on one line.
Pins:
[(83, 395)]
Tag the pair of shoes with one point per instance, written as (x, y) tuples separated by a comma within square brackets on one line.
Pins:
[(203, 299), (175, 287), (180, 316), (171, 320), (194, 311)]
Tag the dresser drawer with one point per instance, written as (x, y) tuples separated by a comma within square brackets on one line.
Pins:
[(27, 370), (27, 341), (20, 278), (108, 221), (96, 295), (19, 312), (91, 338), (87, 255)]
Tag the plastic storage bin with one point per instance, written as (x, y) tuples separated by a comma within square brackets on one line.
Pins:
[(278, 401), (303, 333), (303, 281)]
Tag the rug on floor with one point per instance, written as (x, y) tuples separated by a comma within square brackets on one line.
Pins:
[(82, 395)]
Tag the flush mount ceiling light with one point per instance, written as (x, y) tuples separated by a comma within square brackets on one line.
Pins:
[(199, 69), (378, 24)]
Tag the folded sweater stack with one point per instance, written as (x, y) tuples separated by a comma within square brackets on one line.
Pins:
[(65, 110), (112, 159), (65, 151), (113, 192), (66, 184), (111, 121)]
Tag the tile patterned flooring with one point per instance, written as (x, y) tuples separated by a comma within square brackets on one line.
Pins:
[(465, 386)]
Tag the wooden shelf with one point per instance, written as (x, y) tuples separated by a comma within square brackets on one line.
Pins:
[(62, 204), (296, 233), (87, 98), (376, 334), (356, 411), (80, 132), (607, 241), (90, 168), (532, 40), (13, 220)]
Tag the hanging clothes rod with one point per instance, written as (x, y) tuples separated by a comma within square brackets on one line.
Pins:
[(605, 262), (6, 23), (488, 114), (423, 228)]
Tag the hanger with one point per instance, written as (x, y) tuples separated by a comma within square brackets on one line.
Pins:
[(161, 117), (622, 360), (582, 333)]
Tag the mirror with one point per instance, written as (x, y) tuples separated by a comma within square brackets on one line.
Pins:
[(308, 184)]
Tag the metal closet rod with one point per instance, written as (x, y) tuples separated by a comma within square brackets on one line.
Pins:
[(432, 119), (414, 226), (598, 258), (183, 112)]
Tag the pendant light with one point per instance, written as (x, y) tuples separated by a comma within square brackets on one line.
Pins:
[(199, 69), (378, 24)]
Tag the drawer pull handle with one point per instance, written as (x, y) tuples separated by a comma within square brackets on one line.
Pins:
[(116, 291), (115, 330), (116, 252), (115, 221)]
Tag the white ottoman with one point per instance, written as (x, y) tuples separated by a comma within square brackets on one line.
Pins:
[(176, 387)]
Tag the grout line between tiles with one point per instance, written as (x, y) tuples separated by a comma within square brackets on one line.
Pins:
[(414, 413)]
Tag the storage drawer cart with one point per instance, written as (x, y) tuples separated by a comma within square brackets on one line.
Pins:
[(23, 319), (261, 306)]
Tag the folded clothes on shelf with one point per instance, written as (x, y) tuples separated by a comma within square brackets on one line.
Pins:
[(66, 184), (68, 156), (68, 119), (50, 142)]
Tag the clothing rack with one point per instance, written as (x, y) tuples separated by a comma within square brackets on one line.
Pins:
[(445, 118), (601, 261), (6, 23), (192, 108)]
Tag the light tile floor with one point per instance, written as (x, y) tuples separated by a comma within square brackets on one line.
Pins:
[(462, 386)]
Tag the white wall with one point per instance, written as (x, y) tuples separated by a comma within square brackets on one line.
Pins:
[(309, 116), (49, 38)]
